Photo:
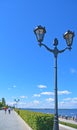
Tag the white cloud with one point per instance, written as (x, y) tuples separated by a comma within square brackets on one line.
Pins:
[(63, 92), (23, 97), (14, 86), (67, 99), (59, 92), (68, 103), (71, 99), (32, 104), (52, 93), (47, 103), (47, 93), (36, 102), (36, 95), (75, 98), (9, 88), (11, 103), (42, 86), (72, 70), (49, 100)]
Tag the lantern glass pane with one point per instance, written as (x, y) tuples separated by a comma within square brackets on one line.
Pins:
[(69, 39), (39, 34), (68, 36)]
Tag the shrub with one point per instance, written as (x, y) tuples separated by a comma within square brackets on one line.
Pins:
[(37, 121)]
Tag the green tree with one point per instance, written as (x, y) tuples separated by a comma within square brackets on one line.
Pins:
[(3, 102)]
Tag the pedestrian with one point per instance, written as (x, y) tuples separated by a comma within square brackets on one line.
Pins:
[(76, 117), (5, 109), (9, 110)]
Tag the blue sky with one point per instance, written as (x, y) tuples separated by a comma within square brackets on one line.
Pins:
[(26, 70)]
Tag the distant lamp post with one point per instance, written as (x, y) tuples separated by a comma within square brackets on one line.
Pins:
[(16, 100), (68, 36)]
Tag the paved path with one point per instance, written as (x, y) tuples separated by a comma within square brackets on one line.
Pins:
[(68, 121), (12, 121), (63, 127)]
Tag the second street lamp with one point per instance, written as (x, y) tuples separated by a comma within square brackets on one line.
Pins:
[(16, 100), (68, 36)]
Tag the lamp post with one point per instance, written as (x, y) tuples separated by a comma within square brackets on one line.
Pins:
[(16, 100), (68, 36)]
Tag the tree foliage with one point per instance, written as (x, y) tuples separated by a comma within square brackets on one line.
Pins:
[(2, 102)]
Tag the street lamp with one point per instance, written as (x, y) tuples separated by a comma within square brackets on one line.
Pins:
[(16, 100), (68, 36)]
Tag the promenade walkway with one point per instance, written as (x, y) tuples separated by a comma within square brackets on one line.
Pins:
[(12, 121), (63, 127), (68, 121)]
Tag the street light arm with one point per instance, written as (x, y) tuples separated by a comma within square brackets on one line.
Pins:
[(41, 44), (60, 51)]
